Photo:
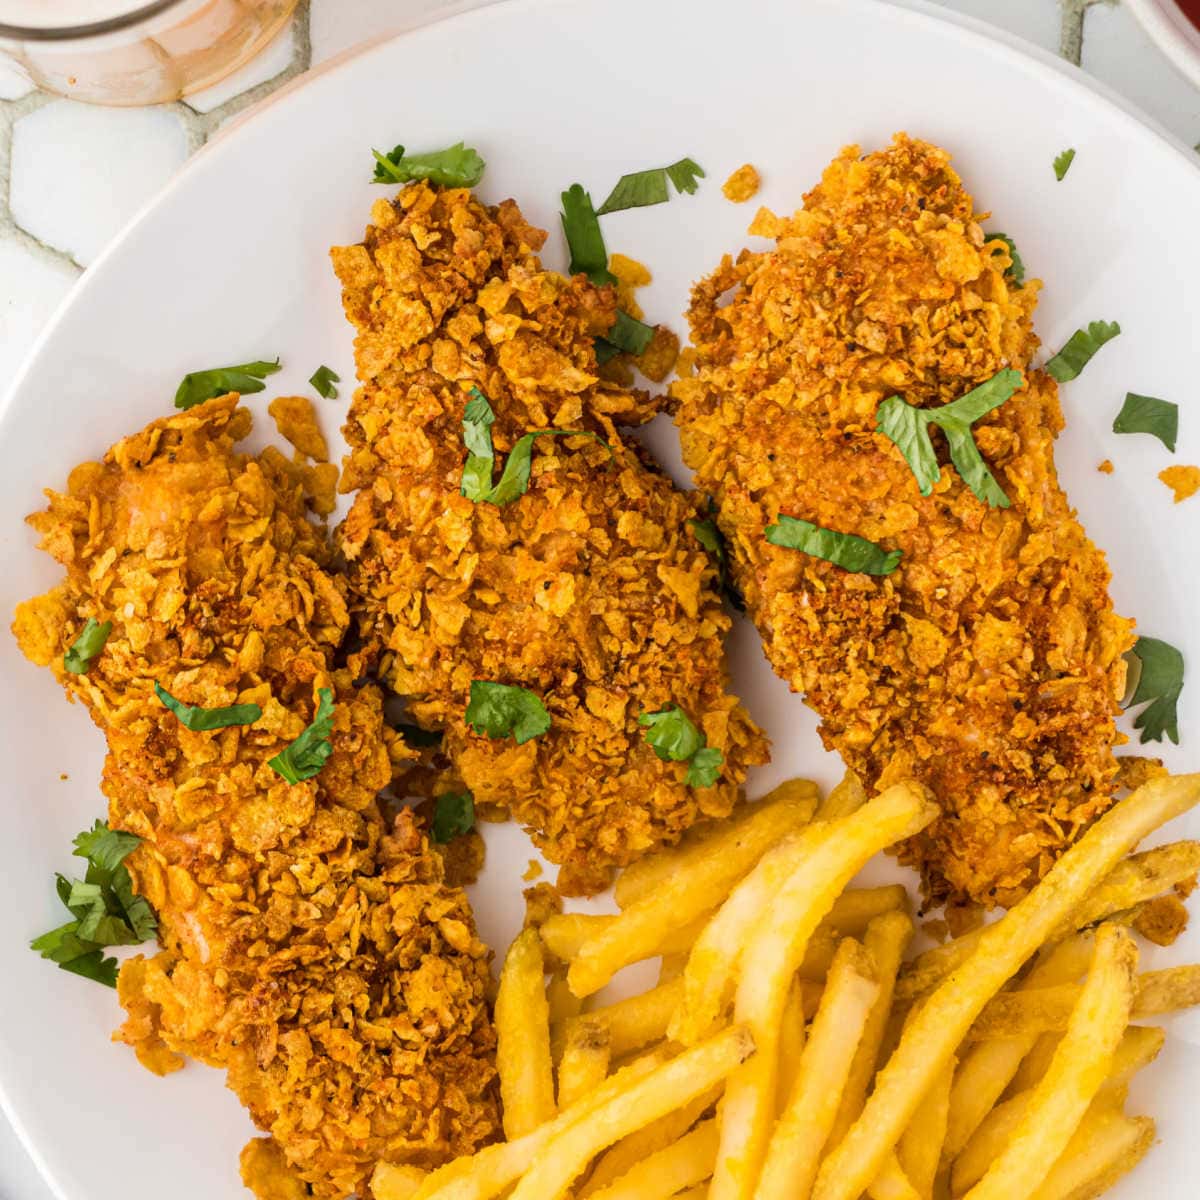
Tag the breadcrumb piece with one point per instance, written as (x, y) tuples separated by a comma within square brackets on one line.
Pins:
[(685, 364), (296, 420), (542, 901), (937, 929), (658, 360), (742, 185), (1162, 919), (631, 275), (533, 871), (1106, 467), (1183, 481), (265, 1171)]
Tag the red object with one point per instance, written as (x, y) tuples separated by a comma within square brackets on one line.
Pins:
[(1191, 10)]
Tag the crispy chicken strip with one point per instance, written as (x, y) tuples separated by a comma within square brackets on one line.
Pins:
[(590, 589), (989, 665), (309, 945)]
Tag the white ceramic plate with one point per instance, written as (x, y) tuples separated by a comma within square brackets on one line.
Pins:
[(230, 264)]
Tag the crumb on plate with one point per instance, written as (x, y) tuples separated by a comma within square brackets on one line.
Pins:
[(631, 275), (1106, 467), (742, 184), (533, 871), (542, 901), (1183, 481), (296, 420)]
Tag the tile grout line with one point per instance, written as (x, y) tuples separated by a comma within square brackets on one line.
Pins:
[(1074, 17)]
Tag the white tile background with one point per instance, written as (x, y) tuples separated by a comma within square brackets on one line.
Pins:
[(119, 158)]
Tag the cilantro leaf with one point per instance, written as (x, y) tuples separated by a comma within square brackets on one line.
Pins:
[(705, 768), (845, 550), (709, 535), (305, 757), (1160, 683), (1016, 272), (628, 335), (88, 645), (908, 429), (1080, 347), (514, 479), (502, 710), (642, 188), (323, 380), (584, 239), (105, 909), (1145, 414), (199, 719), (1062, 164), (453, 815), (456, 166), (245, 379)]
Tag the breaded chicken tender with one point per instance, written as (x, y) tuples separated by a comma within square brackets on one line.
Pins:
[(589, 590), (309, 944), (989, 664)]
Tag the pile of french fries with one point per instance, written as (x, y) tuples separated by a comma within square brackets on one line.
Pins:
[(789, 1050)]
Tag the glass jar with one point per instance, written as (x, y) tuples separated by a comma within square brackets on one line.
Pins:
[(135, 51)]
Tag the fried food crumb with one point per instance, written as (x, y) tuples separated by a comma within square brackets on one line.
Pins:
[(64, 775), (1183, 481), (533, 871), (1106, 467), (542, 901), (937, 929), (685, 364), (766, 224), (963, 918), (1162, 919), (631, 275), (658, 360), (463, 857), (742, 185), (1133, 770), (296, 420), (267, 1174)]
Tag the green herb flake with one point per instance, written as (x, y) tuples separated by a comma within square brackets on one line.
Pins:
[(673, 736), (200, 720), (1080, 348), (453, 816), (1016, 271), (1145, 414), (709, 535), (1158, 687), (501, 710), (245, 379), (628, 335), (705, 767), (456, 166), (88, 645), (104, 908), (1062, 164), (845, 550), (643, 188), (305, 757), (584, 239), (908, 428), (323, 380)]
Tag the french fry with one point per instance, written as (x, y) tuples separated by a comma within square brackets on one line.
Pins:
[(671, 967), (676, 1082), (585, 1061), (852, 912), (635, 1022), (1078, 1071), (488, 1172), (682, 1165), (642, 1143), (1106, 1146), (392, 1182), (846, 797), (891, 1183), (1035, 1063), (751, 830), (564, 934), (939, 1025), (792, 1037), (920, 1148), (794, 1152), (776, 951), (523, 1038), (1131, 882), (564, 1004)]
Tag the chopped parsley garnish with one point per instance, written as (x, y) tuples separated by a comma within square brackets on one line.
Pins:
[(456, 166), (501, 710), (709, 535), (453, 815), (1016, 272), (88, 645), (323, 380), (104, 910), (1145, 414), (643, 188), (245, 379), (584, 239), (845, 550), (476, 484), (1158, 687), (673, 736), (1080, 347), (628, 335), (908, 428), (199, 720), (305, 757), (1062, 164)]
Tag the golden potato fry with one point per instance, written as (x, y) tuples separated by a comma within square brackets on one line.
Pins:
[(565, 934), (891, 1183), (682, 1165), (1035, 1064), (667, 1087), (794, 1151), (776, 950), (921, 1145), (845, 797), (523, 1038), (585, 1061), (886, 940), (635, 1022), (1078, 1071), (939, 1025), (792, 1036), (392, 1182), (564, 1004), (1106, 1146), (851, 914), (751, 830)]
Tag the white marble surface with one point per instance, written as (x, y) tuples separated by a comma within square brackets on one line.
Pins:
[(115, 160)]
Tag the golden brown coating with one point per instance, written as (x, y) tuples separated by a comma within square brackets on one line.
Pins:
[(989, 664), (310, 945), (590, 590)]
